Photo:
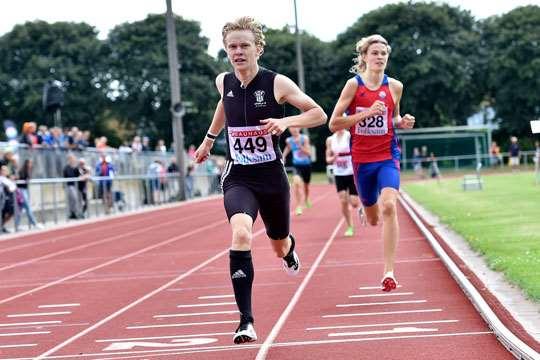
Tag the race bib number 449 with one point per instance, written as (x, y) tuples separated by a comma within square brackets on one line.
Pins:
[(250, 145), (373, 125)]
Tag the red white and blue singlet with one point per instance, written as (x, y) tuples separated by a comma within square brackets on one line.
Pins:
[(373, 139), (374, 144)]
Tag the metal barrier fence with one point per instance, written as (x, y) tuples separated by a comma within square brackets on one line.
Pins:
[(53, 201), (49, 162), (458, 162)]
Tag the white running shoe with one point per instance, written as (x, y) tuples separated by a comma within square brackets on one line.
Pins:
[(244, 333), (292, 264)]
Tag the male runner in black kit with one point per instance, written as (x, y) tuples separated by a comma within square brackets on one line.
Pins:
[(254, 180)]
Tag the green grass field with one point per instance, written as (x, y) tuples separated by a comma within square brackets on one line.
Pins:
[(501, 222)]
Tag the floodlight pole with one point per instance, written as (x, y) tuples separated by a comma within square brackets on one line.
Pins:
[(299, 58), (177, 110)]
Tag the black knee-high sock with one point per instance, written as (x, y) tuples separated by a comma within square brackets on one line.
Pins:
[(241, 268)]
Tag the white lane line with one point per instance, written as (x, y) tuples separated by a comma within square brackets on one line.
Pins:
[(166, 337), (16, 346), (196, 314), (86, 245), (398, 330), (58, 305), (207, 304), (113, 261), (373, 287), (175, 354), (281, 321), (382, 295), (383, 313), (181, 324), (148, 295), (32, 323), (382, 324), (39, 314), (207, 297), (384, 303), (25, 333)]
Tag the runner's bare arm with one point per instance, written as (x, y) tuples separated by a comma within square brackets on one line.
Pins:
[(286, 91), (330, 156), (407, 121), (340, 121), (217, 124)]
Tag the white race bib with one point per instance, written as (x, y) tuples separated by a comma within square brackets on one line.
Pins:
[(373, 125), (250, 145)]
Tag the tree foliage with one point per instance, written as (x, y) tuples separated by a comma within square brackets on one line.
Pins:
[(35, 52), (432, 47), (138, 77), (280, 56), (451, 66), (512, 43)]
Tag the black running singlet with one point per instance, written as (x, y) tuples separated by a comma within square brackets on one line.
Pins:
[(248, 143)]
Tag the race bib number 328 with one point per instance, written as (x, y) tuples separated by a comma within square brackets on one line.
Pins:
[(250, 145), (373, 125)]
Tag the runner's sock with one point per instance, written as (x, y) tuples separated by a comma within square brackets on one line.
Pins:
[(241, 270)]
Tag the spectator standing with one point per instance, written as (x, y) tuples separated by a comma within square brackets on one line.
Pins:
[(10, 172), (160, 147), (513, 153), (434, 168), (417, 163), (84, 173), (145, 143), (22, 196), (154, 172), (136, 144), (495, 154), (28, 135), (105, 169), (8, 187), (71, 170)]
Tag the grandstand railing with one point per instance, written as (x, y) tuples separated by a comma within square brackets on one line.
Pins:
[(49, 197)]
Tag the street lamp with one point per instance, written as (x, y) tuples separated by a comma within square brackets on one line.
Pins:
[(299, 59), (177, 109)]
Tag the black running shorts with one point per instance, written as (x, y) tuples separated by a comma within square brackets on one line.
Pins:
[(344, 183), (304, 171), (264, 189)]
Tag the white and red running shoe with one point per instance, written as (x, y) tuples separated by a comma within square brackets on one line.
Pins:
[(389, 282)]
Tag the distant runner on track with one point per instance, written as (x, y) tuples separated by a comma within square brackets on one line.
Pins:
[(254, 181), (338, 154), (370, 101), (299, 146)]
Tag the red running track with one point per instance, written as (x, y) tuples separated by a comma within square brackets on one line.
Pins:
[(155, 285)]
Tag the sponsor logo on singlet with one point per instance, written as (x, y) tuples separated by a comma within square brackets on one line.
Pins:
[(259, 99)]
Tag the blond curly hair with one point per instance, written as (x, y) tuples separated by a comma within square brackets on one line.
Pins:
[(361, 49), (245, 23)]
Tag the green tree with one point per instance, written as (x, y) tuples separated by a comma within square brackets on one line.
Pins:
[(280, 56), (138, 77), (433, 53), (35, 52), (512, 67)]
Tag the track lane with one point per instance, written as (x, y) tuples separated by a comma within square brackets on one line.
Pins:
[(201, 281)]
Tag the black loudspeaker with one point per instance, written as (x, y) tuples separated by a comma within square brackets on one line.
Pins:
[(53, 96)]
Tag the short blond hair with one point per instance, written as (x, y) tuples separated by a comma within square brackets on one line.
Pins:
[(361, 49), (245, 23)]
